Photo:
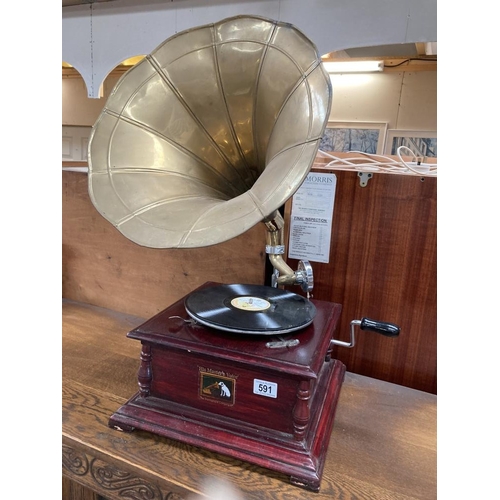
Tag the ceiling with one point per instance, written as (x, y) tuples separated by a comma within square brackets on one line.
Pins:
[(408, 56), (67, 3)]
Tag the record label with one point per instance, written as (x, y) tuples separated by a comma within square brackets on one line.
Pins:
[(250, 309), (250, 303)]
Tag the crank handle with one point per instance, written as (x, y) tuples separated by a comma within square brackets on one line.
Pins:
[(382, 327)]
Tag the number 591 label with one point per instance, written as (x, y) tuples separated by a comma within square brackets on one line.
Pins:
[(264, 388)]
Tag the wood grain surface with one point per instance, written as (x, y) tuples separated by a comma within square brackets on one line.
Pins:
[(383, 443), (383, 265), (104, 268)]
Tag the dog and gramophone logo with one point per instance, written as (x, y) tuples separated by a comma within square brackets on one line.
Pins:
[(217, 385)]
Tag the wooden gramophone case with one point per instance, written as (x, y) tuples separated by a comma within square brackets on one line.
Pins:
[(278, 404)]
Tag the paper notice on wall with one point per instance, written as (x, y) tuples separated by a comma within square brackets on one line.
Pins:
[(311, 218)]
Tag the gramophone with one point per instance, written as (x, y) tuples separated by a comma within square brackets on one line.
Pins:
[(207, 136)]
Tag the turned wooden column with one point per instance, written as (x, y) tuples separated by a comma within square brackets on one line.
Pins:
[(145, 374), (301, 412)]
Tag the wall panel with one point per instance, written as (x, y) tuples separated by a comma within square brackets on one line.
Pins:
[(382, 265), (102, 267)]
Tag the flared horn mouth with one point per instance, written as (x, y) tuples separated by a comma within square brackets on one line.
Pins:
[(210, 133)]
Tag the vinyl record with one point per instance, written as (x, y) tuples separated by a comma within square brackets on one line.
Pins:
[(250, 309)]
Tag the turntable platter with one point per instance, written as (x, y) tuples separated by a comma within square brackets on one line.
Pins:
[(250, 309)]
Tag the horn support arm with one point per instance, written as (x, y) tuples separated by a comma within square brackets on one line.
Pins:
[(275, 248)]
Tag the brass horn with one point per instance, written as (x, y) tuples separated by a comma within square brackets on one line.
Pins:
[(209, 134)]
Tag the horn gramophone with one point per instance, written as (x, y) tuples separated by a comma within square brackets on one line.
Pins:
[(207, 136)]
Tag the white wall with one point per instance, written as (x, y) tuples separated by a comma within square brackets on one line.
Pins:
[(403, 100), (75, 141), (77, 108), (98, 36)]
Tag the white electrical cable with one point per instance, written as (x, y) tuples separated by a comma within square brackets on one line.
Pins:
[(379, 163)]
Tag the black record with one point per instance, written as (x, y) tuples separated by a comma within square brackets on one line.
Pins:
[(250, 309)]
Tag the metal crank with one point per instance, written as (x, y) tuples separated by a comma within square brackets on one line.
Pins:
[(381, 327)]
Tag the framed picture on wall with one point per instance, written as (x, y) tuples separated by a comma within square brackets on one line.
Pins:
[(420, 142), (367, 137)]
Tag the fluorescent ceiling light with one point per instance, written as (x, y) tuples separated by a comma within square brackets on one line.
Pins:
[(354, 66)]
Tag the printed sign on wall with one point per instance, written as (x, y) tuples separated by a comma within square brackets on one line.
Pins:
[(311, 218)]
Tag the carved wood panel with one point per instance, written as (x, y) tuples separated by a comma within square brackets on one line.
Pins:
[(109, 480)]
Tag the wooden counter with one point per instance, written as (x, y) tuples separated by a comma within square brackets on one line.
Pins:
[(383, 444)]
